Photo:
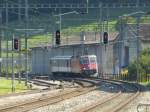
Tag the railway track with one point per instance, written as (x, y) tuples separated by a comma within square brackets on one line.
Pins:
[(87, 85), (25, 106), (116, 102), (45, 84)]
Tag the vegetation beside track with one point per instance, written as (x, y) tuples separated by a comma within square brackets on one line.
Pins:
[(144, 67), (147, 84), (94, 26), (6, 86)]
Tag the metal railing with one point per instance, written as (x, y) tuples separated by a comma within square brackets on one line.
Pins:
[(126, 77)]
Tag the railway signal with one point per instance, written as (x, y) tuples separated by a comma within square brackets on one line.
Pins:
[(105, 37), (16, 44), (57, 37)]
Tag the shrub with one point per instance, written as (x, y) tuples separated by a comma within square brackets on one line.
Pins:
[(144, 66)]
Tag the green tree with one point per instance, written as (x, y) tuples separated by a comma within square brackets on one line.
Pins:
[(144, 65), (145, 60)]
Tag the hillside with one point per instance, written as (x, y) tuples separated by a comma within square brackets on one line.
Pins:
[(71, 24)]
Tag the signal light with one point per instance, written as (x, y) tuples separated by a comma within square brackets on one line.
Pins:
[(16, 44), (57, 37), (105, 38)]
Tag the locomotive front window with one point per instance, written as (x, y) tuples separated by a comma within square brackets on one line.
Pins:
[(84, 61), (92, 60)]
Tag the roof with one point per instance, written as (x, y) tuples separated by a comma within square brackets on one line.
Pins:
[(89, 56)]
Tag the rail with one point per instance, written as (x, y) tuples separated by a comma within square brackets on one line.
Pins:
[(47, 100), (140, 107), (121, 105)]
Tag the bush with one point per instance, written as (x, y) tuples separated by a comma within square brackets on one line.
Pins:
[(144, 66), (132, 70)]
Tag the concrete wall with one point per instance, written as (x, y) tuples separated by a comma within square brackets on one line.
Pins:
[(129, 40), (125, 49), (40, 63)]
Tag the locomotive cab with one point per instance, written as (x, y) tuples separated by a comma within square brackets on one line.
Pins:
[(88, 64)]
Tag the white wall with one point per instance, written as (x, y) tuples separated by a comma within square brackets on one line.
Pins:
[(40, 61)]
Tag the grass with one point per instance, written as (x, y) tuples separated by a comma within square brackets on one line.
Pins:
[(147, 84), (44, 39), (32, 41), (38, 40), (6, 85), (9, 54), (69, 30)]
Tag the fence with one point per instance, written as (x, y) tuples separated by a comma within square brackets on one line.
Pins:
[(127, 77)]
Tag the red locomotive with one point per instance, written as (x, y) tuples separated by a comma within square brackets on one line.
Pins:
[(86, 64)]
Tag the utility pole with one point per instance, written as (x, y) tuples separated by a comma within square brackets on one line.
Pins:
[(60, 18), (137, 37), (101, 35), (19, 11), (100, 21), (6, 40), (106, 28), (20, 65), (87, 6), (60, 22), (13, 76), (107, 19), (26, 42), (120, 44), (104, 46), (53, 32), (137, 4), (138, 44), (0, 43), (82, 42)]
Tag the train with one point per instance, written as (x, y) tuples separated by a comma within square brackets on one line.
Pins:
[(81, 65)]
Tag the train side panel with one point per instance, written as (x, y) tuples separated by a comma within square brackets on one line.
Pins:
[(54, 65), (64, 65), (75, 65), (61, 64)]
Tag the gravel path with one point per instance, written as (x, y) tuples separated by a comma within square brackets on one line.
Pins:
[(75, 103), (27, 97), (106, 107)]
